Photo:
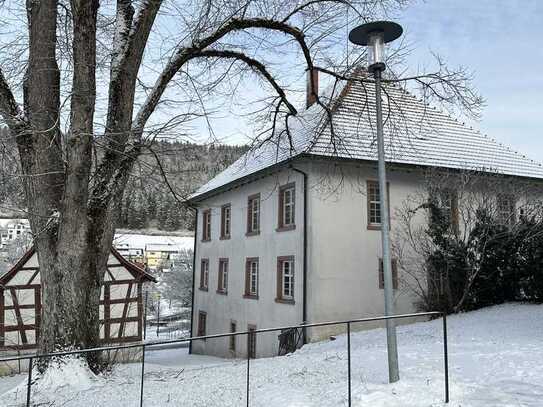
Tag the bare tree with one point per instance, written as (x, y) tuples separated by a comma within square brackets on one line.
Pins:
[(78, 138), (458, 216)]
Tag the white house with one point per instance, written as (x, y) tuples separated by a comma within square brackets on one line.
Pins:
[(14, 229), (291, 233)]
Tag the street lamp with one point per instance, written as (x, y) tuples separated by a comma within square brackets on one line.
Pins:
[(375, 35)]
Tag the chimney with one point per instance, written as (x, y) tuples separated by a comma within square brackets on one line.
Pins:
[(312, 87)]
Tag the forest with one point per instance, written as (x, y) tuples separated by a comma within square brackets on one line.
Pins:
[(164, 175)]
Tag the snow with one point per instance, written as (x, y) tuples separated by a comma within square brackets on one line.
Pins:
[(495, 360), (137, 240)]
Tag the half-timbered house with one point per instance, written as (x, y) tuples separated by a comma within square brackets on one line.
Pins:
[(121, 304)]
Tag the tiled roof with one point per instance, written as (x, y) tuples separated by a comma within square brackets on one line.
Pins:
[(414, 134)]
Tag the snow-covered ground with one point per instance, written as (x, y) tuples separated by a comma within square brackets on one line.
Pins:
[(496, 359)]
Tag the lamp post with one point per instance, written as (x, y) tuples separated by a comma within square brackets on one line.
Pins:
[(375, 35)]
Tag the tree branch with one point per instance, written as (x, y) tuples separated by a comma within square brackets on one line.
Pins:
[(10, 111)]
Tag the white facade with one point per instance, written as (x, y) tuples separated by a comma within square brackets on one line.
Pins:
[(222, 310), (342, 256)]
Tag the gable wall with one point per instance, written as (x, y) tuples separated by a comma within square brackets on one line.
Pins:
[(120, 305), (263, 312)]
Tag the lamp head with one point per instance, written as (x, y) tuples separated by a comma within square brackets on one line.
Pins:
[(375, 35)]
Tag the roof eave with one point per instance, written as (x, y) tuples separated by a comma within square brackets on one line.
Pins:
[(194, 200)]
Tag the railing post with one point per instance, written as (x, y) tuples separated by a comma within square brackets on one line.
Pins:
[(248, 365), (349, 358), (142, 373), (145, 314), (446, 357), (29, 383)]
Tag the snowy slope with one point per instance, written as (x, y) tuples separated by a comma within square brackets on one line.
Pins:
[(496, 359)]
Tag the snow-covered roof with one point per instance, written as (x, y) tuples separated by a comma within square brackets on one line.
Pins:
[(415, 134), (140, 241), (163, 247)]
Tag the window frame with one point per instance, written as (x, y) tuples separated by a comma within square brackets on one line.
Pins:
[(232, 338), (222, 284), (511, 202), (248, 277), (204, 275), (281, 224), (250, 214), (395, 276), (452, 197), (251, 341), (202, 328), (280, 297), (226, 221), (374, 225), (206, 225)]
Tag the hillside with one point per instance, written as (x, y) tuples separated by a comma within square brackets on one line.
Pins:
[(148, 201)]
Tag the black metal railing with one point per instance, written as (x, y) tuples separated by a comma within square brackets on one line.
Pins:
[(147, 345)]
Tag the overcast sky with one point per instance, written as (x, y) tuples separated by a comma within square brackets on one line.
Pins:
[(501, 41)]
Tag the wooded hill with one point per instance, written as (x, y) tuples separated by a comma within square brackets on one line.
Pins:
[(164, 175), (149, 201)]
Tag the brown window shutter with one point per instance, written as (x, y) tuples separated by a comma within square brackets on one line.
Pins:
[(249, 214), (454, 212), (394, 274), (222, 220), (395, 281), (279, 279), (247, 277), (219, 286), (281, 203)]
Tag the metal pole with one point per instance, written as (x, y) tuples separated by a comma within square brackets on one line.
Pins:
[(29, 383), (349, 358), (392, 347), (446, 358), (248, 365), (142, 374)]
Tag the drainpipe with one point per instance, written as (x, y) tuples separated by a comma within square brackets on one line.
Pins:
[(304, 272), (193, 274)]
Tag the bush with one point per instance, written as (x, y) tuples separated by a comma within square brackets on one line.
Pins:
[(497, 263)]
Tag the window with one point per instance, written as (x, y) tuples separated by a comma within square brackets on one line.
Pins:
[(447, 202), (204, 274), (232, 339), (286, 207), (374, 205), (285, 279), (394, 274), (253, 215), (206, 225), (251, 277), (251, 341), (506, 206), (222, 287), (226, 211), (202, 317)]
